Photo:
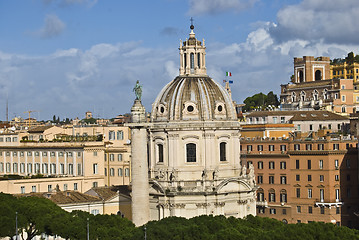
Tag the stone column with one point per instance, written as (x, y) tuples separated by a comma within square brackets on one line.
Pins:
[(140, 184)]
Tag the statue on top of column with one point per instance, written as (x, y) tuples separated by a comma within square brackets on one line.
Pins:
[(138, 90)]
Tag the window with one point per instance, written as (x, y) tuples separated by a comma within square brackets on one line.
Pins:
[(283, 165), (75, 186), (260, 196), (95, 154), (260, 165), (271, 148), (260, 148), (283, 180), (336, 164), (271, 165), (95, 168), (321, 178), (62, 168), (308, 146), (127, 172), (112, 172), (191, 152), (322, 211), (222, 151), (271, 196), (95, 211), (21, 154), (79, 154), (160, 152), (53, 168), (119, 157), (71, 169), (120, 172), (320, 146), (49, 188), (282, 119), (29, 154), (336, 177), (52, 154), (297, 147), (249, 148), (347, 163), (311, 127), (296, 164), (111, 135), (283, 148), (272, 211), (283, 196), (310, 193), (297, 192), (299, 209), (15, 168), (65, 187), (105, 171), (112, 157), (321, 194), (348, 192), (37, 167), (37, 154), (22, 189), (33, 189), (337, 211), (45, 168), (309, 178), (260, 179), (310, 209), (297, 177), (309, 164), (29, 168), (1, 167), (8, 167), (14, 154), (95, 184), (271, 179), (261, 210), (337, 195), (119, 135), (343, 98), (336, 146), (274, 119), (284, 212), (44, 154), (320, 164), (8, 139)]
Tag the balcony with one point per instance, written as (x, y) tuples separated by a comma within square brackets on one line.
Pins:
[(262, 204), (329, 205)]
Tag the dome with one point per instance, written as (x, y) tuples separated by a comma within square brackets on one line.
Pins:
[(193, 98)]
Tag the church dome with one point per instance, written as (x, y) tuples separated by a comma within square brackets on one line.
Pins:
[(193, 98), (193, 95)]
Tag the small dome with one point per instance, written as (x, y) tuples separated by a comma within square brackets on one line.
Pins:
[(193, 98)]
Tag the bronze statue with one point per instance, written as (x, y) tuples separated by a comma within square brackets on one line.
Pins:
[(138, 90)]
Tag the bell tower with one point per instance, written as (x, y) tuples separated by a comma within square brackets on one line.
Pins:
[(192, 56)]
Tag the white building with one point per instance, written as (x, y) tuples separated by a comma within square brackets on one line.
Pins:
[(193, 165)]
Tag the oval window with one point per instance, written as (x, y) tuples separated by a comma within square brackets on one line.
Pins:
[(162, 109), (190, 108), (220, 108)]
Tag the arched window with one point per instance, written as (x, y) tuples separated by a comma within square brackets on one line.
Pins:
[(318, 75), (271, 195), (222, 151), (315, 95), (192, 61), (302, 96), (185, 60), (260, 195), (325, 94), (160, 152), (199, 60), (112, 172), (343, 109), (191, 152), (293, 97)]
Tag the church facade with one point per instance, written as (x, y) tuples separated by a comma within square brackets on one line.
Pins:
[(186, 160)]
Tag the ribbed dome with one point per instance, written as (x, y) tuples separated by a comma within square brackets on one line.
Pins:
[(193, 98)]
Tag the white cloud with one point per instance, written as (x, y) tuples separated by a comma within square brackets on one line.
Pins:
[(199, 7), (53, 27), (331, 21)]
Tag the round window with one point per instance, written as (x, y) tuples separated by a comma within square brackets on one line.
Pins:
[(220, 108), (190, 108), (162, 109)]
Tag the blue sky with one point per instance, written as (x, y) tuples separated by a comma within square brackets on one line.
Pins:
[(66, 57)]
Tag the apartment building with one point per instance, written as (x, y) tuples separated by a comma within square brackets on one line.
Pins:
[(304, 180), (76, 158)]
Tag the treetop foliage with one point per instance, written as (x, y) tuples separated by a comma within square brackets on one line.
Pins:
[(261, 102), (39, 215), (350, 59)]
